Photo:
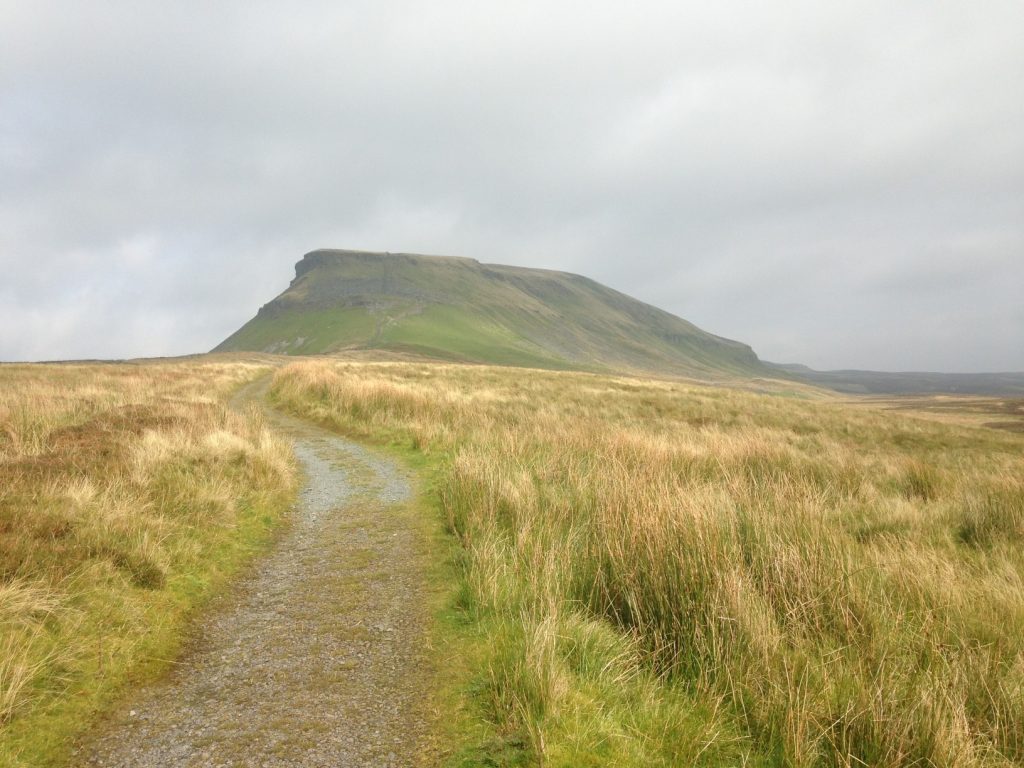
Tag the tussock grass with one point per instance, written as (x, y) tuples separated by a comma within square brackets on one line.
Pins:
[(671, 574), (126, 492)]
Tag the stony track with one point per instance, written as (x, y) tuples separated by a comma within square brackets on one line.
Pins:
[(318, 657)]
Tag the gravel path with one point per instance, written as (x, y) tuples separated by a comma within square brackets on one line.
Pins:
[(318, 657)]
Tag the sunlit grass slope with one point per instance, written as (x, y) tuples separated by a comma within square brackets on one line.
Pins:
[(460, 309), (667, 574), (126, 493)]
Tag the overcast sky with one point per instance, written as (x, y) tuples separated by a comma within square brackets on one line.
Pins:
[(835, 183)]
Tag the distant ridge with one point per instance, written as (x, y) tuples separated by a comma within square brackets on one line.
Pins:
[(459, 309), (910, 382)]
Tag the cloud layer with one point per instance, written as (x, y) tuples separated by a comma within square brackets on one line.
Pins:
[(836, 184)]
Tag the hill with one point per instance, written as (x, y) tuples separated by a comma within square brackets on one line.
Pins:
[(460, 309)]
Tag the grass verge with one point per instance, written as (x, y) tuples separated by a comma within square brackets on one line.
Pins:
[(128, 495), (460, 736), (656, 573)]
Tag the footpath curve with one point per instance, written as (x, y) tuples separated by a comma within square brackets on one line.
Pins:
[(318, 657)]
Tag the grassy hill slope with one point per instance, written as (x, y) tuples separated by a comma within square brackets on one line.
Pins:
[(459, 309)]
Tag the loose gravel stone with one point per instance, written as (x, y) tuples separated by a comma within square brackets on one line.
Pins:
[(318, 657)]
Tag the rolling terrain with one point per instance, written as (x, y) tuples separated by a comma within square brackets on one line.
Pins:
[(458, 309)]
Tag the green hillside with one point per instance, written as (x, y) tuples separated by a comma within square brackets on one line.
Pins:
[(459, 309)]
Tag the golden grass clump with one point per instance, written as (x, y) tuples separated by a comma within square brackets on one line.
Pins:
[(676, 574), (126, 492)]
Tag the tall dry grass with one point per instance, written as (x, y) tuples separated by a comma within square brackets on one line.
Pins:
[(126, 491), (670, 574)]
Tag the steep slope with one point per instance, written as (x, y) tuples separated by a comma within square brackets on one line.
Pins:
[(459, 309)]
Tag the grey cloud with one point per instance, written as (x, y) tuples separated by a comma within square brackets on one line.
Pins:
[(837, 184)]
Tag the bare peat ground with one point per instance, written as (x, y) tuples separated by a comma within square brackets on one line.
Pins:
[(319, 658)]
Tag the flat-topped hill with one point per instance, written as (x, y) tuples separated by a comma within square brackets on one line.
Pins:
[(460, 309)]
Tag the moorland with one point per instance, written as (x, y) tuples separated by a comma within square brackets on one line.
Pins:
[(647, 547), (664, 573)]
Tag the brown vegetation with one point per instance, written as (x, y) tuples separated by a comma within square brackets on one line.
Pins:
[(126, 492), (669, 574)]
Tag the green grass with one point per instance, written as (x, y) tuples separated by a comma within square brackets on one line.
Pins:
[(656, 573), (309, 332), (486, 722), (462, 736), (459, 309), (457, 334)]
